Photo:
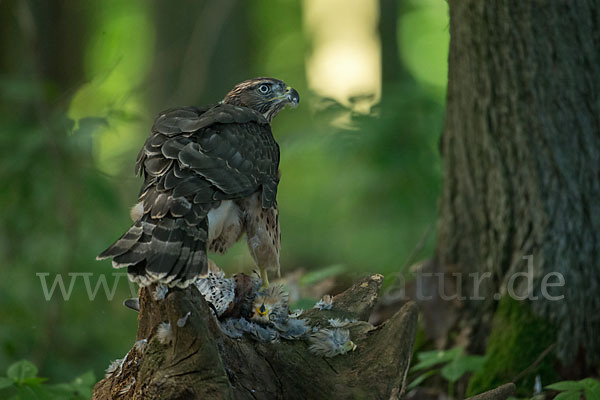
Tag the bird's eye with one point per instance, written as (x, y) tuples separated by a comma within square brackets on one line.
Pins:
[(264, 89)]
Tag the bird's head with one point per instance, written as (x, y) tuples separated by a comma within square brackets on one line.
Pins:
[(268, 96), (262, 311), (270, 305)]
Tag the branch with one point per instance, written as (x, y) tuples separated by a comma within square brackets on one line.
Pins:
[(500, 393)]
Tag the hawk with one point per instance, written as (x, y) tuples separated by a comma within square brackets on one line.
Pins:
[(210, 175)]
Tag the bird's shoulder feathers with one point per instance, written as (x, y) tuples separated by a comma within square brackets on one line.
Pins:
[(212, 153)]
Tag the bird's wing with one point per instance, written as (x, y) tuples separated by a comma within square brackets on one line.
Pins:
[(193, 159), (206, 155)]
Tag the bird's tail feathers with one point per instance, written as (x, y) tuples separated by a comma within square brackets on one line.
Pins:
[(165, 250)]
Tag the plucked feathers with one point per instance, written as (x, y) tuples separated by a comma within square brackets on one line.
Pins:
[(331, 342)]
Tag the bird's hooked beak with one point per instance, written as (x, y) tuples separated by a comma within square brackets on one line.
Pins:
[(262, 310), (292, 96)]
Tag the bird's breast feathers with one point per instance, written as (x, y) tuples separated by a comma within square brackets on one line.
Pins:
[(226, 217)]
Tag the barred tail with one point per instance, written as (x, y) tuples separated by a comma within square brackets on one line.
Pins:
[(165, 250)]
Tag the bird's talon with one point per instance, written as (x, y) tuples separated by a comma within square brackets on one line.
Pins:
[(265, 279)]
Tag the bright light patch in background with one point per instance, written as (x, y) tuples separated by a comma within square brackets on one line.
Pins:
[(424, 39), (346, 56), (117, 63)]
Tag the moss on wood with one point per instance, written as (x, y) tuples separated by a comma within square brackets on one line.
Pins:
[(517, 339)]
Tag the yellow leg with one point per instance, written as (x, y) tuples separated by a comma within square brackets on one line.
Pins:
[(265, 278)]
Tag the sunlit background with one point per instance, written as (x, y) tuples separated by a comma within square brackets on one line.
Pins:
[(81, 82)]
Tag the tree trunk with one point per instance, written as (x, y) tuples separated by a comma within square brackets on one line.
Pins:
[(201, 362), (521, 162), (210, 52)]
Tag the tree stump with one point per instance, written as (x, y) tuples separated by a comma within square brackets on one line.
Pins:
[(201, 362)]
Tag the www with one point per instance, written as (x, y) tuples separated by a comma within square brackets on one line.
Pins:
[(92, 293)]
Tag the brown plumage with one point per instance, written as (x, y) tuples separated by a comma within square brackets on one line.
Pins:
[(270, 305), (210, 175)]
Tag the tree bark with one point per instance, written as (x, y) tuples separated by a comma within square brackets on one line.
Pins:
[(201, 362), (521, 161)]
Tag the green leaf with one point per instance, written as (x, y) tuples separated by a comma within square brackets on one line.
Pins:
[(590, 383), (592, 394), (566, 385), (570, 395), (461, 365), (33, 381), (87, 379), (572, 389), (21, 370), (591, 388), (5, 382), (419, 379), (430, 358), (452, 372), (84, 384)]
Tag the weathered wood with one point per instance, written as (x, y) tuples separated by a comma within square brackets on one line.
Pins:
[(201, 362)]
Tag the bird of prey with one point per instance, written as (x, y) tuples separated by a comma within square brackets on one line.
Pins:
[(210, 175)]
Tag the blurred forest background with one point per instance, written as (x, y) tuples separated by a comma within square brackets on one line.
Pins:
[(81, 82)]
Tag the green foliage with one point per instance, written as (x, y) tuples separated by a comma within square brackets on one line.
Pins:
[(451, 364), (323, 273), (22, 382), (517, 339), (428, 359), (453, 371), (59, 212), (572, 390), (424, 39), (417, 381), (352, 199)]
